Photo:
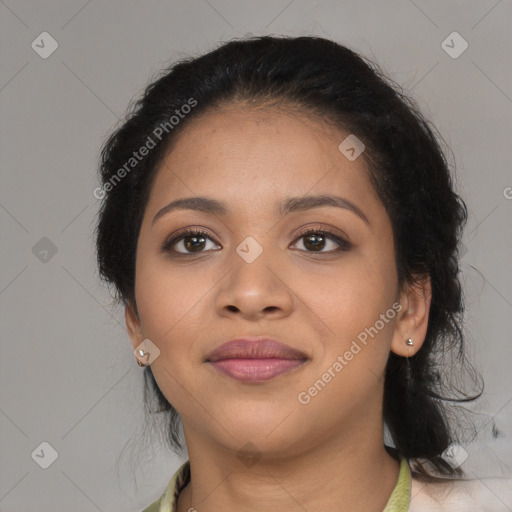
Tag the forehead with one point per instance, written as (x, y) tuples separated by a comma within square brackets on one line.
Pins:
[(256, 154), (244, 134)]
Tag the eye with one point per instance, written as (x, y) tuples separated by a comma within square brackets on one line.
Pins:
[(188, 243), (195, 241), (316, 240)]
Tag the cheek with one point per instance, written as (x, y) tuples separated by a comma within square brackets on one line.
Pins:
[(171, 306), (350, 297), (168, 299), (351, 367), (356, 303)]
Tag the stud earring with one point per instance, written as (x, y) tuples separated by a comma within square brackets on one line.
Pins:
[(409, 342), (143, 354)]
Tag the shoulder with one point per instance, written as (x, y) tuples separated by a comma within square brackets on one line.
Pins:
[(477, 495)]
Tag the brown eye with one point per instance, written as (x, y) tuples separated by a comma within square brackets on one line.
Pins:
[(194, 243), (188, 243), (317, 240)]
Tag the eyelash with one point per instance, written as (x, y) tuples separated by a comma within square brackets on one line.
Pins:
[(344, 245)]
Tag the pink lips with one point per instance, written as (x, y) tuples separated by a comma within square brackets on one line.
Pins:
[(255, 360)]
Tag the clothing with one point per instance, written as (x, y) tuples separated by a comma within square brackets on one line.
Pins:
[(169, 499), (398, 501)]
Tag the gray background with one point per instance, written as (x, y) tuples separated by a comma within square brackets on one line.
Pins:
[(68, 375)]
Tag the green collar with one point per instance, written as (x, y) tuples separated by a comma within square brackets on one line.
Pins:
[(400, 498)]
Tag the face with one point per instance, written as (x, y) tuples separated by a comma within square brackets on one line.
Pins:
[(251, 272)]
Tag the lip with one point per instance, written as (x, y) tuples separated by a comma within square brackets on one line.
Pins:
[(255, 359)]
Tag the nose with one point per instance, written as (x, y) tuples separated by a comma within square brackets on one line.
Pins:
[(254, 291)]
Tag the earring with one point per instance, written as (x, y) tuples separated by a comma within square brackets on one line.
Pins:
[(409, 342), (142, 354)]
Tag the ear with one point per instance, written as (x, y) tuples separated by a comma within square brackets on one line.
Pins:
[(412, 320), (133, 325)]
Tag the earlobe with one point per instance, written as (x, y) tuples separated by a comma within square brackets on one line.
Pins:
[(412, 321)]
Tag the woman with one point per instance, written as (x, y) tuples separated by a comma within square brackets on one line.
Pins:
[(281, 226)]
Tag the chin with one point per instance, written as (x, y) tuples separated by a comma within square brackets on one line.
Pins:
[(269, 434)]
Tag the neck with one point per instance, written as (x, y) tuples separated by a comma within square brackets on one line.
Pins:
[(346, 472)]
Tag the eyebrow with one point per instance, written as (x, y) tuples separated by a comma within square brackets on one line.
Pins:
[(287, 205)]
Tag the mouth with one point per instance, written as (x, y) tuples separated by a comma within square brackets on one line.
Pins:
[(256, 370), (255, 360)]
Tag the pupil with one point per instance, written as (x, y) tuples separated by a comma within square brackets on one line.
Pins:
[(194, 245), (318, 242)]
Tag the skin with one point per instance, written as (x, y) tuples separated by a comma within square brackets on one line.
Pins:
[(329, 453)]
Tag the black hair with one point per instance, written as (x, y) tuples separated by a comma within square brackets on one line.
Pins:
[(407, 167)]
